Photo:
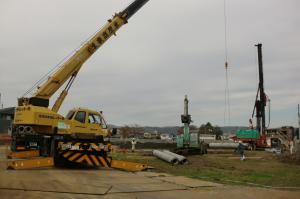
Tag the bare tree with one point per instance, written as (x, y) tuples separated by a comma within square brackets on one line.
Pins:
[(125, 130), (131, 131)]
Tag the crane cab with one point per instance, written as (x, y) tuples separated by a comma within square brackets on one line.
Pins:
[(83, 123)]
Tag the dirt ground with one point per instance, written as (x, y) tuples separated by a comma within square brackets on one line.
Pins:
[(108, 183)]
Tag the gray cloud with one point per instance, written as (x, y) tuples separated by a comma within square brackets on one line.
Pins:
[(168, 49)]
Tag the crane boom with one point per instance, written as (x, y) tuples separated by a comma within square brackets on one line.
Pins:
[(71, 67)]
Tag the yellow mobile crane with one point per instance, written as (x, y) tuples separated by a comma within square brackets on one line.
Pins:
[(77, 138)]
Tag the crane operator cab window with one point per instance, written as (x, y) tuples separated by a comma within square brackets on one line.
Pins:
[(80, 116), (92, 119), (70, 115), (97, 119)]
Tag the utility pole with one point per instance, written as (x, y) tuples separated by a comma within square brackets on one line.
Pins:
[(298, 121), (261, 102), (1, 104)]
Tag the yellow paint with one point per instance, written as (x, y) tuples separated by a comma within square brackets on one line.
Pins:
[(67, 154), (95, 160), (44, 117), (74, 156), (23, 154), (85, 157), (31, 163), (128, 166)]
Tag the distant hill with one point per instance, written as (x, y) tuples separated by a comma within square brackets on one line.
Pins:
[(168, 129)]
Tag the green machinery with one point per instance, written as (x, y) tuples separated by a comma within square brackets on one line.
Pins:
[(189, 143)]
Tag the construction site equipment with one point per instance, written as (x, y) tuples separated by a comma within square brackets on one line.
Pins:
[(23, 154), (93, 161), (127, 166), (31, 163), (281, 137), (180, 158), (166, 157), (252, 138), (36, 161), (77, 138), (189, 143), (261, 99), (249, 133)]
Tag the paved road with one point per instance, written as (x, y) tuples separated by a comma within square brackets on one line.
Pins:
[(107, 183)]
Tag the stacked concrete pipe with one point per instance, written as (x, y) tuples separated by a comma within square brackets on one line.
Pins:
[(170, 157), (166, 157), (181, 159)]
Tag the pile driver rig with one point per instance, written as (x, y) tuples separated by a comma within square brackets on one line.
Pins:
[(189, 143), (261, 97), (257, 138), (77, 138)]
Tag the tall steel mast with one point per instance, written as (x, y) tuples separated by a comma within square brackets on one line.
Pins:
[(261, 102)]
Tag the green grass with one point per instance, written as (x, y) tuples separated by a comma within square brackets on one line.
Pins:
[(267, 170)]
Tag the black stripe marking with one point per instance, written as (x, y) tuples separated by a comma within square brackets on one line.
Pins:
[(107, 161), (81, 154), (99, 160), (72, 153), (92, 160)]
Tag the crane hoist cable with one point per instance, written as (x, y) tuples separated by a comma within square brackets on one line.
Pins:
[(56, 67), (227, 111)]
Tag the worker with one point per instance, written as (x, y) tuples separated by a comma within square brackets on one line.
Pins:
[(133, 143), (240, 149), (251, 124), (291, 145)]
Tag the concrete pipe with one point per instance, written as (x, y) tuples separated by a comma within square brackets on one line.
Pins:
[(181, 159), (165, 156)]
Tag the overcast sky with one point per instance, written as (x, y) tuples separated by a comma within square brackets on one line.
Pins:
[(168, 49)]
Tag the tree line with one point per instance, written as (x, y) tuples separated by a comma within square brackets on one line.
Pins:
[(136, 130)]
